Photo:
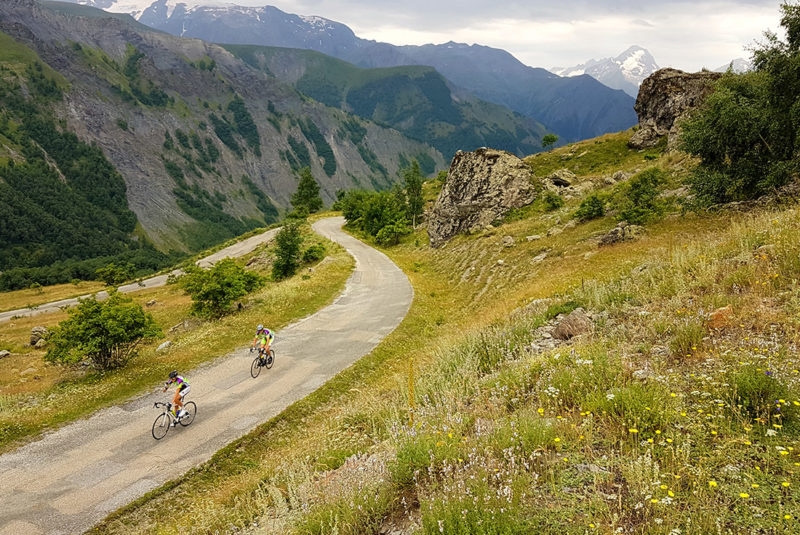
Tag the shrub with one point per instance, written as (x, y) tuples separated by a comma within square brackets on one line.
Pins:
[(592, 207), (756, 393), (315, 253), (113, 274), (638, 199), (213, 291), (688, 338), (391, 233), (287, 252), (107, 332), (552, 201)]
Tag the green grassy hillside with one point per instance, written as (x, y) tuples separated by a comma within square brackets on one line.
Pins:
[(416, 100), (676, 412)]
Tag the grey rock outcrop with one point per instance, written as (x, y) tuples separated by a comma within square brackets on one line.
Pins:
[(38, 333), (575, 323), (482, 186), (622, 232), (664, 97), (4, 353), (560, 179)]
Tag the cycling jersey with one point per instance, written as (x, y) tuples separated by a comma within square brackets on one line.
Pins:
[(182, 384)]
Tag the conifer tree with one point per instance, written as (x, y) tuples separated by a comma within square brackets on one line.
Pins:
[(307, 194)]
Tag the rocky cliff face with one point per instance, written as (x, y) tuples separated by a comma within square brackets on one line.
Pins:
[(481, 187), (664, 97), (190, 127)]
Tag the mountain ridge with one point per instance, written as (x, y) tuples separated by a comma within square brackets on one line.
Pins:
[(573, 108)]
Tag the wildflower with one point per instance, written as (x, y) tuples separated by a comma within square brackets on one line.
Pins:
[(787, 517), (784, 452), (673, 394), (748, 443), (712, 483), (755, 485), (663, 487), (669, 440), (785, 483), (744, 495), (556, 439), (671, 494), (653, 500), (633, 430)]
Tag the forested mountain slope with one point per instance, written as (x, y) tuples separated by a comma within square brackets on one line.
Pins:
[(193, 143)]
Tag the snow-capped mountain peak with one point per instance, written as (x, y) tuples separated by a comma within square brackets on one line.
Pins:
[(626, 71)]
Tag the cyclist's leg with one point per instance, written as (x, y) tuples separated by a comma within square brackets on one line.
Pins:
[(177, 401), (182, 394)]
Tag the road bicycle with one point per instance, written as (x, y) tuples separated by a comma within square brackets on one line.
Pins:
[(167, 419), (263, 360)]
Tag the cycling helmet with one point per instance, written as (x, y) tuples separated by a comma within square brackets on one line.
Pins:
[(259, 328), (173, 374)]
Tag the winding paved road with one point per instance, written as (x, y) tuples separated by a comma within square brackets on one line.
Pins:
[(73, 477), (232, 251)]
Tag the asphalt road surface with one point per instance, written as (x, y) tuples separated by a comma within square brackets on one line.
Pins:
[(73, 477), (233, 251)]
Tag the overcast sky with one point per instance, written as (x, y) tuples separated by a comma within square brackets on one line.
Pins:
[(684, 34)]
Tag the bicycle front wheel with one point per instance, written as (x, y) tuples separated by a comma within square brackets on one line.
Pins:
[(161, 426), (191, 411), (270, 359), (255, 367)]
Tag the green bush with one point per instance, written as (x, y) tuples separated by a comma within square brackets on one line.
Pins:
[(757, 394), (113, 274), (552, 201), (213, 291), (591, 207), (315, 253), (638, 199), (391, 233), (688, 339), (107, 332)]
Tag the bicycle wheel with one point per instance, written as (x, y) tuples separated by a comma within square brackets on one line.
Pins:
[(255, 367), (161, 426), (270, 359), (191, 411)]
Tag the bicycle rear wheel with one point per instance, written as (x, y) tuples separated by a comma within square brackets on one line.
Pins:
[(270, 359), (255, 367), (161, 426), (191, 411)]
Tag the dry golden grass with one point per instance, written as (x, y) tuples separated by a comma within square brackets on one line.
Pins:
[(63, 393), (32, 297)]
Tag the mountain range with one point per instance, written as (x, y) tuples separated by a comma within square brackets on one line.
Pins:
[(575, 108), (626, 71), (195, 145)]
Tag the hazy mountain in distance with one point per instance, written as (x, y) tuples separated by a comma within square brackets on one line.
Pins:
[(574, 108), (626, 71)]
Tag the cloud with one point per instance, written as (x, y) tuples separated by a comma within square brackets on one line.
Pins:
[(687, 34)]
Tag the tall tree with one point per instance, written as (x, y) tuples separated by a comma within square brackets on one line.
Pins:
[(307, 194), (415, 202), (287, 251)]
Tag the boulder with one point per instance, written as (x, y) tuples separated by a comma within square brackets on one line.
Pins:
[(164, 346), (482, 186), (620, 233), (560, 179), (666, 96), (720, 318), (37, 333), (41, 343), (151, 303), (575, 323), (508, 241), (533, 237), (4, 353)]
